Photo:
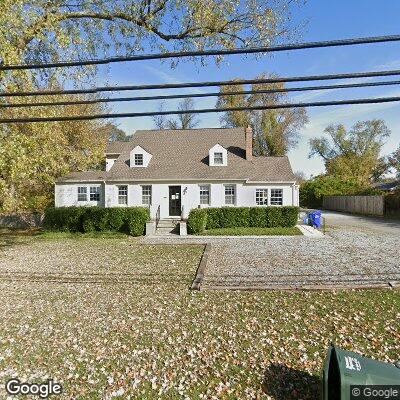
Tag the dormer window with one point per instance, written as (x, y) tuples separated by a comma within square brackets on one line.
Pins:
[(138, 159), (218, 158)]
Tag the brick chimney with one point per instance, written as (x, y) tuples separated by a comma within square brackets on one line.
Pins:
[(249, 143)]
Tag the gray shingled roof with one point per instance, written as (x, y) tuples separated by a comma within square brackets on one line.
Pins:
[(183, 155)]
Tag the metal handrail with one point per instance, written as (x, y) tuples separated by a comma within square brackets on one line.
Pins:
[(158, 214)]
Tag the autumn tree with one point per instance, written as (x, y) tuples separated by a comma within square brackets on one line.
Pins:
[(51, 31), (33, 155), (394, 162), (275, 131), (354, 153), (43, 30), (188, 120), (114, 133)]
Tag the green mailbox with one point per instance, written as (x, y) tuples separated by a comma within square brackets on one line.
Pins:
[(345, 368)]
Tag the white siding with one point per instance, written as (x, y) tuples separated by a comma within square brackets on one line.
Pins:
[(146, 157), (66, 194), (110, 162)]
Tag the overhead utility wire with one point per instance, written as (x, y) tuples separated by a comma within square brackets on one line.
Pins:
[(197, 95), (200, 111), (213, 52), (306, 78)]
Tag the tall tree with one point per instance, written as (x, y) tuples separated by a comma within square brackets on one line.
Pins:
[(33, 155), (50, 31), (114, 134), (181, 121), (44, 30), (394, 162), (353, 154), (275, 131)]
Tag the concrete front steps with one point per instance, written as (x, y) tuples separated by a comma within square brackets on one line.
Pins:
[(167, 227)]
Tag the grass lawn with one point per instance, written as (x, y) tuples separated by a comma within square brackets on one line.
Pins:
[(139, 333), (252, 231)]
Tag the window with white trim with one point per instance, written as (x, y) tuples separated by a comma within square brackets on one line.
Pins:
[(262, 197), (95, 193), (218, 158), (276, 197), (230, 194), (139, 159), (205, 194), (82, 193), (123, 194), (146, 195)]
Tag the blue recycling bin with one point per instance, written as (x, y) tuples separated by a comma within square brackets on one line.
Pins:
[(315, 219)]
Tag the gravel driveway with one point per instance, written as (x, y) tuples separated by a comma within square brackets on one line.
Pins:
[(355, 250)]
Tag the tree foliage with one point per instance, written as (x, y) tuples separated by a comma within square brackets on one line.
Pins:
[(313, 190), (275, 131), (43, 30), (353, 154), (114, 134), (181, 121), (394, 162), (33, 155)]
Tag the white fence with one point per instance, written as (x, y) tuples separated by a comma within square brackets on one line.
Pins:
[(369, 205)]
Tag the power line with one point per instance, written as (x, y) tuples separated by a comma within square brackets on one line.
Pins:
[(306, 78), (200, 95), (200, 111), (214, 52)]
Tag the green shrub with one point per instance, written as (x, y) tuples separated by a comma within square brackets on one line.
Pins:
[(136, 219), (290, 216), (214, 218), (313, 191), (90, 219), (52, 219), (95, 219), (88, 225), (274, 217), (197, 220), (234, 217), (116, 219), (257, 217), (67, 219), (242, 217)]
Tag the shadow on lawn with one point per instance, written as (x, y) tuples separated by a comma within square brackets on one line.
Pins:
[(12, 237), (286, 383)]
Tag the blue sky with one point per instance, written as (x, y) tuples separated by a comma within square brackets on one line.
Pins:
[(326, 20)]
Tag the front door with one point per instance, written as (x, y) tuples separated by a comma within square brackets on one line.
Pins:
[(174, 200)]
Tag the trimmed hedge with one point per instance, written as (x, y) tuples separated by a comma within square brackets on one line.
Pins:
[(242, 217), (197, 220), (130, 220)]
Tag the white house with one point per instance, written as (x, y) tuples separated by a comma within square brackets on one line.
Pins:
[(174, 171)]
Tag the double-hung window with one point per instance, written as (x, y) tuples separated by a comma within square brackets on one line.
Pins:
[(82, 193), (276, 197), (95, 193), (123, 194), (218, 158), (146, 195), (230, 194), (262, 197), (205, 194), (139, 159)]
